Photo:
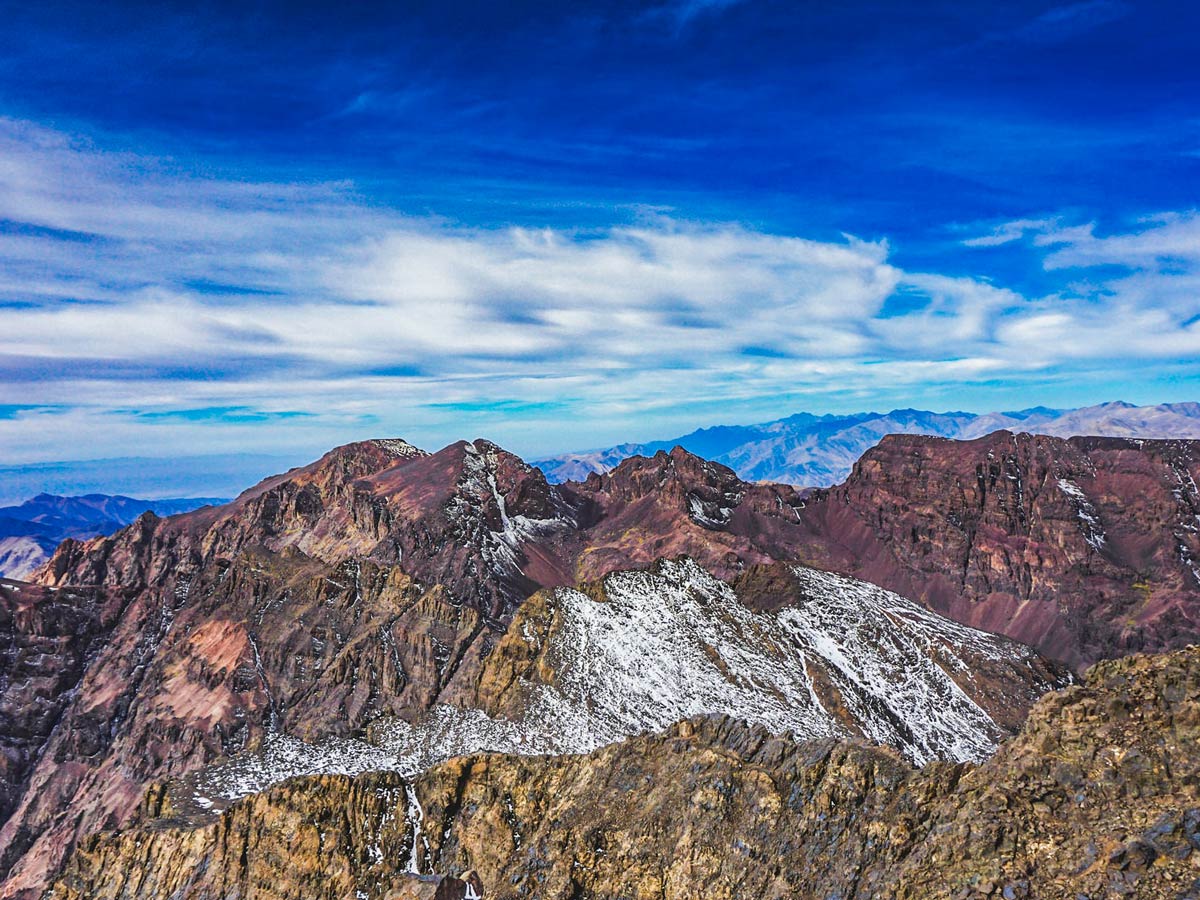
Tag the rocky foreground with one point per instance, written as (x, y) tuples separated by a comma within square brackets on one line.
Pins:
[(1098, 796), (254, 678)]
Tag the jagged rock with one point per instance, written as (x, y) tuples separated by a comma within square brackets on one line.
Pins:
[(437, 887), (377, 582), (1085, 548), (1099, 795)]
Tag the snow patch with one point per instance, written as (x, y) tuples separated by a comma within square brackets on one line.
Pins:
[(398, 449), (1093, 531), (673, 643), (478, 490)]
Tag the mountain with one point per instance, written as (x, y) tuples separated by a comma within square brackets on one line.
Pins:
[(819, 451), (204, 475), (387, 608), (384, 608), (30, 532), (1095, 797), (1085, 548)]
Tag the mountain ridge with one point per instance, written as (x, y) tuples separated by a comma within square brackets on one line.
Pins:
[(808, 450), (381, 583), (376, 583), (30, 531), (1095, 796)]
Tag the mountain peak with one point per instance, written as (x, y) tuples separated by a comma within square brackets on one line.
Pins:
[(819, 451), (397, 447)]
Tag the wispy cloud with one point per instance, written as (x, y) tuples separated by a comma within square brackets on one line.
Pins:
[(1060, 23), (1169, 240), (677, 15), (1007, 232), (144, 306)]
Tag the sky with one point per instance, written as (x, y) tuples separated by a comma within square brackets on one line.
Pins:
[(269, 229)]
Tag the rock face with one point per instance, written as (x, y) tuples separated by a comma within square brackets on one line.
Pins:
[(382, 593), (1099, 795), (1085, 548), (277, 678), (46, 636)]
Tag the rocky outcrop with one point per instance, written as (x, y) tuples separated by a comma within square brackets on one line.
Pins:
[(46, 637), (1099, 795), (1085, 548), (284, 612), (673, 504)]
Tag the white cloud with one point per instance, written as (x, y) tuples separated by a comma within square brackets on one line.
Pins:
[(1168, 239), (1008, 232), (128, 286)]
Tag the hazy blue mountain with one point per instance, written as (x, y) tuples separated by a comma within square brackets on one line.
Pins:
[(30, 531), (208, 475), (818, 451)]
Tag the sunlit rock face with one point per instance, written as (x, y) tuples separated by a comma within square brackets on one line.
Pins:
[(1085, 548), (1096, 796)]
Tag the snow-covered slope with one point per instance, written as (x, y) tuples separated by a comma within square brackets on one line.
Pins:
[(580, 669), (845, 658)]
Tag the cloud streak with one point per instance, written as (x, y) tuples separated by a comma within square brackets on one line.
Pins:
[(134, 294)]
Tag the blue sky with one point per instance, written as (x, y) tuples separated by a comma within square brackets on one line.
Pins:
[(272, 229)]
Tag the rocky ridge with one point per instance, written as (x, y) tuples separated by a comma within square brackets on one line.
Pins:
[(375, 589), (1099, 795), (1085, 548), (820, 451)]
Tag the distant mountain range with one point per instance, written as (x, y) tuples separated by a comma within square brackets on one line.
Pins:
[(819, 451), (195, 475), (30, 531)]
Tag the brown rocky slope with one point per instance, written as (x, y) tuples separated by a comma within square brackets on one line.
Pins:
[(1098, 796), (361, 586), (1086, 548)]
